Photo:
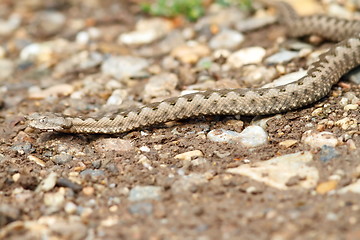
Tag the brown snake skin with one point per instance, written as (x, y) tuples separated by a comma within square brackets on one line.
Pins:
[(321, 76)]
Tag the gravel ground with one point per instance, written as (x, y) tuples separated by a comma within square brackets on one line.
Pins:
[(290, 176)]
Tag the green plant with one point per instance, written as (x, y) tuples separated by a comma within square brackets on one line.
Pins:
[(243, 4), (192, 9)]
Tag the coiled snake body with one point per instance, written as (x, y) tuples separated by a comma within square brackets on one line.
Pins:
[(320, 77)]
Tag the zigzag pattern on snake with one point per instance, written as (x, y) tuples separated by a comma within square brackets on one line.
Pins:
[(317, 83)]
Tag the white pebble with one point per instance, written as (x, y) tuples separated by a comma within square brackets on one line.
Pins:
[(226, 39), (253, 136), (251, 55), (318, 140), (277, 171)]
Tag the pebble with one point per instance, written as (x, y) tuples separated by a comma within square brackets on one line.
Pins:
[(146, 31), (251, 24), (80, 62), (161, 85), (62, 158), (188, 183), (288, 143), (121, 67), (222, 18), (70, 208), (285, 79), (353, 187), (187, 156), (46, 53), (318, 140), (7, 68), (347, 123), (191, 52), (350, 107), (245, 56), (48, 183), (281, 57), (47, 23), (338, 11), (7, 27), (140, 193), (35, 93), (328, 153), (64, 182), (277, 171), (117, 97), (253, 136), (164, 46), (326, 187), (223, 136), (227, 39), (55, 200), (92, 172), (23, 148), (37, 160), (141, 208), (113, 144)]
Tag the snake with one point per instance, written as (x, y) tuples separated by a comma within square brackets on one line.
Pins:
[(320, 76)]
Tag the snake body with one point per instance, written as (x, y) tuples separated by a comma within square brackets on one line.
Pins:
[(317, 83)]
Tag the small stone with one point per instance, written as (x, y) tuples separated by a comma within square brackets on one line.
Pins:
[(188, 183), (37, 160), (226, 39), (122, 67), (328, 153), (55, 200), (254, 23), (277, 171), (225, 136), (7, 27), (46, 53), (347, 123), (253, 136), (62, 158), (88, 191), (187, 156), (251, 55), (326, 187), (288, 78), (92, 173), (288, 143), (47, 23), (353, 187), (7, 68), (141, 208), (48, 183), (54, 91), (161, 85), (140, 193), (281, 57), (190, 53), (318, 140), (64, 182), (70, 208), (351, 107), (23, 148), (117, 97), (146, 31), (113, 144), (144, 149)]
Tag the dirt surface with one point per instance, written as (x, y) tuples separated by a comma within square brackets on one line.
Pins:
[(135, 185)]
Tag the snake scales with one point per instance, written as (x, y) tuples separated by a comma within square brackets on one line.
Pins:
[(320, 77)]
